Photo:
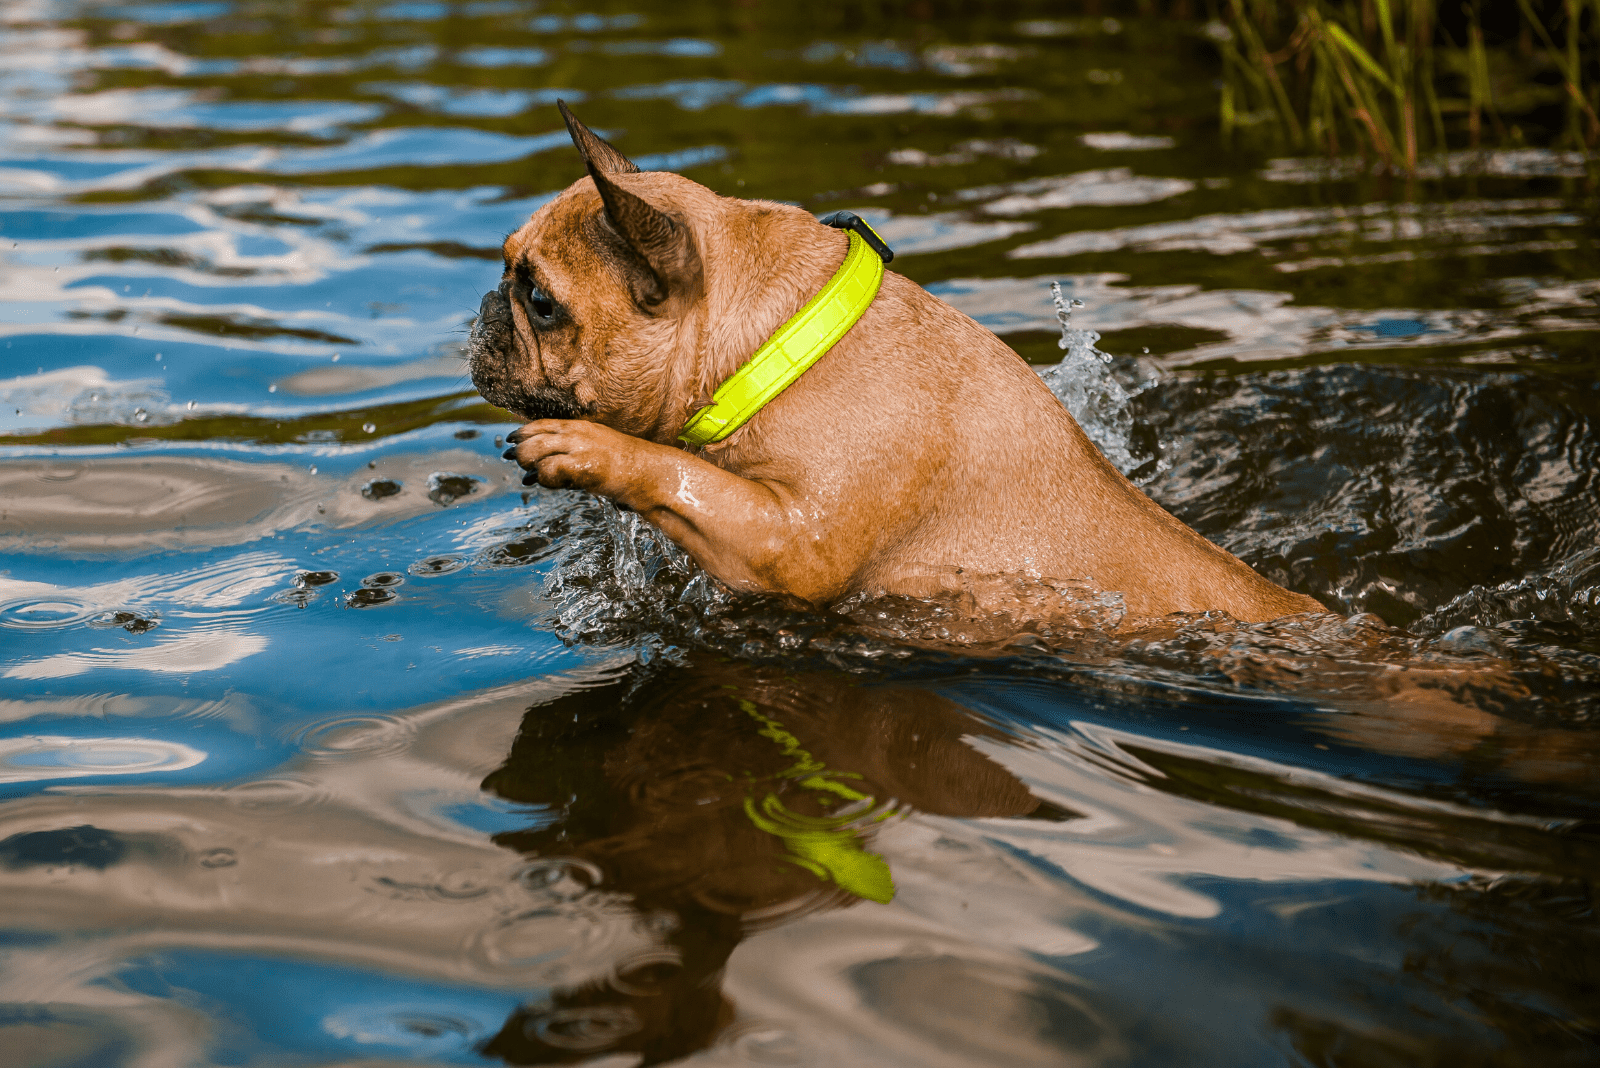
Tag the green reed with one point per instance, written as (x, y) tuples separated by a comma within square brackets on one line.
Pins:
[(1398, 79)]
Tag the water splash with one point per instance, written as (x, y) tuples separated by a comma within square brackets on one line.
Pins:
[(1568, 594), (620, 579), (1087, 382)]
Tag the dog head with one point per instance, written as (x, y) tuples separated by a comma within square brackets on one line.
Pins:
[(631, 295)]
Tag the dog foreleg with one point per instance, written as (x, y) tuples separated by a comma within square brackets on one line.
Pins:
[(753, 535)]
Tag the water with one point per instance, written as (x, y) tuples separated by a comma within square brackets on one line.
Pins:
[(323, 740)]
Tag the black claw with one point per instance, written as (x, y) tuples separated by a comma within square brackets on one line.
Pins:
[(530, 479), (509, 454)]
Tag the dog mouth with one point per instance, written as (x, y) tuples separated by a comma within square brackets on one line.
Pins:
[(547, 402), (495, 372)]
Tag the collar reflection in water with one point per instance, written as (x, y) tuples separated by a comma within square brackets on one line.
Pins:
[(717, 798), (323, 742)]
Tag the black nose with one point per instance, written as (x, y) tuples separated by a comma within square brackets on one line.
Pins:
[(493, 326)]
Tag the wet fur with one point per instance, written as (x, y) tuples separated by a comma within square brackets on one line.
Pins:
[(919, 446)]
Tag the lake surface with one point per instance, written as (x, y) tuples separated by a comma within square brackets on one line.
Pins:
[(325, 742)]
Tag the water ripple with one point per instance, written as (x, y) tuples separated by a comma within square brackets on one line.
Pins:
[(355, 736), (39, 758)]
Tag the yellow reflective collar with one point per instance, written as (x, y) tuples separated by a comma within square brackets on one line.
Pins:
[(797, 345)]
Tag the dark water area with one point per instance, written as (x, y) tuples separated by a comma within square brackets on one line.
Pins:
[(325, 742)]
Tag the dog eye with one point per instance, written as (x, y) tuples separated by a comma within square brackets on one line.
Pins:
[(539, 304)]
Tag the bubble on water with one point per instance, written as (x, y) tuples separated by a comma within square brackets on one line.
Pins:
[(313, 469), (370, 428), (141, 416), (272, 388), (336, 357), (218, 858), (191, 405)]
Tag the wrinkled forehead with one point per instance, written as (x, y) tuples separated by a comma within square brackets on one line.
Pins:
[(559, 242)]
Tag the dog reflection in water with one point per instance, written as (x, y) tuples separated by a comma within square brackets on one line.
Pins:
[(717, 796)]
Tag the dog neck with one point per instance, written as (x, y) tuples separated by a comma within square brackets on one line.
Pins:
[(800, 342), (750, 298)]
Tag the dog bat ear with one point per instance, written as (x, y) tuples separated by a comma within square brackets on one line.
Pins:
[(660, 246), (661, 253), (597, 154)]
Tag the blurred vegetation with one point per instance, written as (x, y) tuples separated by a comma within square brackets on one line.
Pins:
[(1395, 79)]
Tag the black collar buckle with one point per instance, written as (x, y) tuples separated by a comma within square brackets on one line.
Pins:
[(849, 220)]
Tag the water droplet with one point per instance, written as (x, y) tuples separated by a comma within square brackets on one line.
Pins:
[(370, 428), (437, 565), (379, 488), (370, 598), (445, 487)]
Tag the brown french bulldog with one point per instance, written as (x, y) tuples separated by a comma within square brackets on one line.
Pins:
[(919, 447)]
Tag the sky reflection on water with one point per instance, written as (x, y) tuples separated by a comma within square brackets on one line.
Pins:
[(323, 739)]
